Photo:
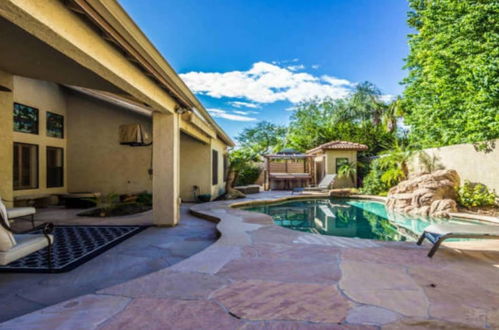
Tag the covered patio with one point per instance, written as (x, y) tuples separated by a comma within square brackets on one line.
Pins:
[(288, 169), (91, 71)]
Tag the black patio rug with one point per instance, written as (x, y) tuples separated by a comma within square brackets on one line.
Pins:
[(73, 246)]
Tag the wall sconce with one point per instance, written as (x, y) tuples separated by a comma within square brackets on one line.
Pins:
[(180, 110)]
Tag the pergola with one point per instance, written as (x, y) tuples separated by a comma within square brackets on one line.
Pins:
[(288, 169)]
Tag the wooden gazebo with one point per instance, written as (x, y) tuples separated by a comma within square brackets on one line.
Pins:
[(288, 169)]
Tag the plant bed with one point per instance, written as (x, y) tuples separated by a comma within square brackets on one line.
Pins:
[(116, 211)]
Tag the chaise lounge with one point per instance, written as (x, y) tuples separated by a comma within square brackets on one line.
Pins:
[(14, 246), (437, 233), (326, 183), (22, 212)]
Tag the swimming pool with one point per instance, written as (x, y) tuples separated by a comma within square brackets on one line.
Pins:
[(349, 218)]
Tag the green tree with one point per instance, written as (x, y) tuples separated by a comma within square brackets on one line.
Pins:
[(263, 138), (314, 122), (311, 123), (452, 89), (392, 113), (240, 160), (363, 105)]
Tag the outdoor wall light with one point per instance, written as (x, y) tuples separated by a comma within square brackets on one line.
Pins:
[(180, 110)]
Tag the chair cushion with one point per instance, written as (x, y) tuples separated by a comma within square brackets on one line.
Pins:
[(17, 212), (7, 240), (26, 244)]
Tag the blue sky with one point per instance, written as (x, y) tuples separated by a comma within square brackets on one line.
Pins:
[(252, 60)]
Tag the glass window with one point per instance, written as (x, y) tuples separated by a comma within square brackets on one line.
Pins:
[(55, 167), (25, 166), (214, 167), (226, 167), (55, 125), (25, 119), (340, 162)]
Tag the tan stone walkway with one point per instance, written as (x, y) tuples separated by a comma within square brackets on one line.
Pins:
[(259, 275)]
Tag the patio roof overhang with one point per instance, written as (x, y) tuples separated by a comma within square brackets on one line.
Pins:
[(287, 156), (337, 145), (92, 44), (118, 28), (190, 123)]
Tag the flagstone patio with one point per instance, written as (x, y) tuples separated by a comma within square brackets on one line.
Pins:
[(147, 252), (259, 275)]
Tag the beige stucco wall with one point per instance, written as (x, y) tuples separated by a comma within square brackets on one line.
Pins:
[(331, 156), (219, 189), (55, 24), (195, 167), (45, 96), (6, 124), (472, 165), (96, 160)]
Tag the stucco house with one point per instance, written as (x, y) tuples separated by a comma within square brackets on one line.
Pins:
[(330, 156), (87, 103)]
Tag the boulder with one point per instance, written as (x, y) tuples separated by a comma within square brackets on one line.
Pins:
[(233, 194), (431, 194)]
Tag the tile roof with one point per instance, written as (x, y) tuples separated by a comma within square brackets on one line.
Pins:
[(338, 145)]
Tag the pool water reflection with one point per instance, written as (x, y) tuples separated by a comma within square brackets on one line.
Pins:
[(348, 218)]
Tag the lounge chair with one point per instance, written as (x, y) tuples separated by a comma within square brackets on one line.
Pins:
[(326, 183), (22, 212), (437, 233), (14, 246)]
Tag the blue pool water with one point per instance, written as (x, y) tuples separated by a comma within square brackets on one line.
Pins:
[(348, 218)]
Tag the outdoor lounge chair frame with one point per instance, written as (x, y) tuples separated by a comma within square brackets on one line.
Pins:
[(30, 217), (437, 239), (46, 228)]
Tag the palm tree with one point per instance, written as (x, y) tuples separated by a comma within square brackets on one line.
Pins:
[(348, 170), (429, 163), (397, 158), (364, 105), (393, 112)]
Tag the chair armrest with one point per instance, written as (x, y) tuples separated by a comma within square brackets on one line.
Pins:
[(46, 228)]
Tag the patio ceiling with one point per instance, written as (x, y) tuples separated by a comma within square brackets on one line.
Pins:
[(24, 55)]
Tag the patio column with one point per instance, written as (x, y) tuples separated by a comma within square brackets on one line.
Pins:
[(166, 160), (6, 132)]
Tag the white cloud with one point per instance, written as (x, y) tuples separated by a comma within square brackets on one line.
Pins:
[(387, 98), (315, 66), (219, 113), (239, 104), (337, 82), (244, 113), (296, 67), (267, 83)]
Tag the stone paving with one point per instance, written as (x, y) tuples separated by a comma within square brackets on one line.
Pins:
[(147, 252), (261, 276)]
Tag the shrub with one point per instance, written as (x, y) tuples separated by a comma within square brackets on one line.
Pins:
[(248, 175), (373, 183), (475, 194), (144, 198)]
